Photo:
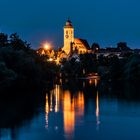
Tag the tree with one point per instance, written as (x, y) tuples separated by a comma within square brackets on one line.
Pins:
[(17, 43), (88, 62), (22, 66), (95, 47), (3, 40), (122, 46), (115, 68), (132, 68)]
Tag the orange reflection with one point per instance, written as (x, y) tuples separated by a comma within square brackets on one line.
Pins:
[(90, 82), (51, 101), (97, 110), (69, 114), (47, 111), (96, 82), (57, 98), (73, 108), (79, 103), (97, 105)]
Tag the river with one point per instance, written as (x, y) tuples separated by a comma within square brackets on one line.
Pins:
[(73, 111)]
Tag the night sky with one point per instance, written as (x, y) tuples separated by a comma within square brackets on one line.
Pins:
[(106, 22)]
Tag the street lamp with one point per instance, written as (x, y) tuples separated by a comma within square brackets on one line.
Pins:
[(46, 46)]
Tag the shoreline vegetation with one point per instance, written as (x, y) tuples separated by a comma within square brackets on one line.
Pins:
[(25, 78), (108, 68), (23, 68)]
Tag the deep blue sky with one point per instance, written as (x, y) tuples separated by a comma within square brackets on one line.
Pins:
[(103, 21)]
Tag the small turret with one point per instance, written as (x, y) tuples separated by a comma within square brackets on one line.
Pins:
[(68, 36), (68, 24)]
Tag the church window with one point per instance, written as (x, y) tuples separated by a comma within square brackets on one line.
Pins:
[(66, 32)]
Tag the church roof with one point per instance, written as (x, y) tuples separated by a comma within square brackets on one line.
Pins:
[(81, 42), (68, 24)]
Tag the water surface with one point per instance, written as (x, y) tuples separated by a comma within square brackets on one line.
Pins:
[(79, 112)]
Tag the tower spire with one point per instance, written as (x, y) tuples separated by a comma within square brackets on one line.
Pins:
[(68, 23), (68, 36)]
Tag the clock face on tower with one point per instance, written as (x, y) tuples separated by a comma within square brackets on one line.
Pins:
[(67, 36)]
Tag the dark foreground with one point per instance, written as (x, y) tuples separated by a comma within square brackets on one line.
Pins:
[(74, 110)]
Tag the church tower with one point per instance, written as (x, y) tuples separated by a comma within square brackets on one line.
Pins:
[(68, 36)]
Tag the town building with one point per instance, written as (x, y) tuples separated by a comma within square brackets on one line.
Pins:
[(72, 44)]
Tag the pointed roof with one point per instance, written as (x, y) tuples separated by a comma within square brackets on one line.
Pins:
[(79, 41), (68, 24)]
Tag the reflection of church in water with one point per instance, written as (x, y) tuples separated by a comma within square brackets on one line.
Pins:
[(72, 44), (65, 109)]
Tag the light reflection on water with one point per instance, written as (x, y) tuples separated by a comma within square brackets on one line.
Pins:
[(47, 111), (97, 111), (73, 112), (72, 105), (68, 114)]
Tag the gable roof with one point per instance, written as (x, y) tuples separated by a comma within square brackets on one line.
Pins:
[(82, 42)]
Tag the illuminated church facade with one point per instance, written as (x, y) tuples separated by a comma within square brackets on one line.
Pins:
[(72, 44)]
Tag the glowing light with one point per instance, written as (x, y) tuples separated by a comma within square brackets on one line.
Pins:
[(47, 111), (97, 105), (96, 82), (97, 111), (79, 104), (69, 114), (57, 98), (90, 81), (46, 46), (51, 101), (50, 59)]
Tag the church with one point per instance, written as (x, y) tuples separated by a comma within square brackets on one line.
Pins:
[(72, 44)]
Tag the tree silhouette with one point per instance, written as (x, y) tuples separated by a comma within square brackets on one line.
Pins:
[(122, 46), (95, 47), (3, 40), (18, 43)]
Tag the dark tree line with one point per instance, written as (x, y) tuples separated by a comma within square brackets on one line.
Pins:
[(109, 68), (21, 66)]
